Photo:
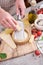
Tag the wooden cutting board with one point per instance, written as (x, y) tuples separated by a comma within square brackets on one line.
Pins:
[(21, 49)]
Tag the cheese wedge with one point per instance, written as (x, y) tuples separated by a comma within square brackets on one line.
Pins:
[(7, 38), (8, 31), (31, 39)]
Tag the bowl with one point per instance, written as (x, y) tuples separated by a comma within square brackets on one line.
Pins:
[(39, 23), (25, 40)]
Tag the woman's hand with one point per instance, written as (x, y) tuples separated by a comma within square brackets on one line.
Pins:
[(7, 20), (20, 7)]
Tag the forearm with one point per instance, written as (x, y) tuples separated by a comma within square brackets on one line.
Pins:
[(1, 10)]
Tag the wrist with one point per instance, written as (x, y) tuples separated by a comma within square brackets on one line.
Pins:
[(2, 10)]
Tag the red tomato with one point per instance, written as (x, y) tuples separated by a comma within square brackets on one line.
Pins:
[(35, 35), (34, 31), (40, 11), (39, 33), (37, 52)]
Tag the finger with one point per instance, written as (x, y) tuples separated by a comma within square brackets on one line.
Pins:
[(7, 24), (17, 10), (22, 12), (11, 23), (3, 24), (15, 22)]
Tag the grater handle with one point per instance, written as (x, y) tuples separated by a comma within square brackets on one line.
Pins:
[(18, 17)]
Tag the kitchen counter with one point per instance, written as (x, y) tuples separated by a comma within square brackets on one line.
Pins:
[(29, 59)]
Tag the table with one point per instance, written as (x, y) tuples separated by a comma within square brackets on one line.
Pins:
[(29, 59)]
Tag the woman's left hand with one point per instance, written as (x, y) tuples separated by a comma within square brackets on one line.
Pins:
[(20, 7)]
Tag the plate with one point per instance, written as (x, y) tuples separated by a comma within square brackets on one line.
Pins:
[(39, 23)]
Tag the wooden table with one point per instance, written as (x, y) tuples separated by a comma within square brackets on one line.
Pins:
[(26, 10)]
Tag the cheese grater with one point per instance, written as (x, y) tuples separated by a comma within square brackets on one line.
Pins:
[(19, 35)]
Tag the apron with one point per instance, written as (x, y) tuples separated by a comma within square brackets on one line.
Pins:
[(8, 5)]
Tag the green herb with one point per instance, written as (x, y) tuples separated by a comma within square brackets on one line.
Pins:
[(3, 55), (42, 38)]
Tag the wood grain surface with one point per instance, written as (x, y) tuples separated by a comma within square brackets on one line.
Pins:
[(21, 49)]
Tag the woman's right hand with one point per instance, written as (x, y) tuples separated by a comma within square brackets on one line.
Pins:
[(7, 20)]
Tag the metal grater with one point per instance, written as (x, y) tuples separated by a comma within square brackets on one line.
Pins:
[(19, 35)]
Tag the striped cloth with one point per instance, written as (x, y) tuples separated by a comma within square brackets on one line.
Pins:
[(9, 5), (6, 4)]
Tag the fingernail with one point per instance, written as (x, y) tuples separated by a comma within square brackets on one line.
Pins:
[(23, 16)]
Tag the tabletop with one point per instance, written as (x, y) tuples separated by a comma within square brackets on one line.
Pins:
[(29, 59)]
